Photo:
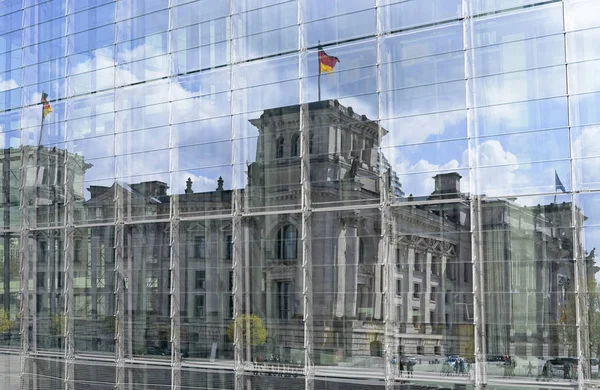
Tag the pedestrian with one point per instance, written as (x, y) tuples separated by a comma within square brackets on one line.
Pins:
[(401, 366), (411, 367), (530, 369)]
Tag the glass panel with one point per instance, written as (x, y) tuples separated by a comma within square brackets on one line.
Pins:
[(206, 284), (93, 289), (146, 290), (529, 282), (409, 14)]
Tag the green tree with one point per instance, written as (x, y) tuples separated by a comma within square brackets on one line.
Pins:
[(252, 324), (5, 323)]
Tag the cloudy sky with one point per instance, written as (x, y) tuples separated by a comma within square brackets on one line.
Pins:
[(505, 129)]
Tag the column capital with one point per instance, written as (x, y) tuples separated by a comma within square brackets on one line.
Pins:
[(352, 219)]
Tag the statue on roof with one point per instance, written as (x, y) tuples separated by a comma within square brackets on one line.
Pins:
[(188, 186), (351, 174)]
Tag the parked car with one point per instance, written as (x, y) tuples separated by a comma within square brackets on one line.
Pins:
[(452, 359), (409, 360)]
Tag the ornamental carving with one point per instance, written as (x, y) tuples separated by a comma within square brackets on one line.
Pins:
[(353, 219), (280, 272)]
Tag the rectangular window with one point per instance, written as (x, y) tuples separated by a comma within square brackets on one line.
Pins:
[(200, 280), (399, 313), (398, 258), (78, 250), (41, 280), (199, 306), (398, 287), (417, 266), (434, 265), (433, 294), (417, 291), (229, 249), (199, 247), (230, 281), (432, 317), (466, 272), (283, 300), (415, 318)]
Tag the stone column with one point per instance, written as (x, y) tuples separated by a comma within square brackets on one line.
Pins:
[(409, 282), (211, 260), (352, 256), (441, 302), (426, 288), (341, 274)]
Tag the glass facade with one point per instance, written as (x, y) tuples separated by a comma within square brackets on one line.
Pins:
[(302, 194)]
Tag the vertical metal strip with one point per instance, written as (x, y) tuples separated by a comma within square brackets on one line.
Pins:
[(174, 242), (306, 205), (580, 269), (480, 375), (68, 273), (387, 230), (119, 291), (476, 258), (175, 296), (118, 248), (237, 291), (237, 234), (307, 289), (386, 288), (24, 268)]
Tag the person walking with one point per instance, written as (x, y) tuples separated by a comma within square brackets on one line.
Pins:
[(530, 369)]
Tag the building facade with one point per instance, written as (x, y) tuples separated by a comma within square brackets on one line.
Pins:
[(204, 207)]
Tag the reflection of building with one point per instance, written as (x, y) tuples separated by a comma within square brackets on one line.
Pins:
[(430, 254), (531, 251), (525, 250)]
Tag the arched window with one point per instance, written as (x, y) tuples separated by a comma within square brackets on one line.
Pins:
[(295, 145), (279, 147), (285, 244)]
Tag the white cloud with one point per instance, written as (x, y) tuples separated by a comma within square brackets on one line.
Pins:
[(419, 128), (199, 183), (417, 178), (587, 164), (5, 85)]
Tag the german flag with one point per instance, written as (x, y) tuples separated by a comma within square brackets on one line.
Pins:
[(326, 62), (46, 108)]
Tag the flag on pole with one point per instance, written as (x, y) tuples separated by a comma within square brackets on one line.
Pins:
[(559, 185), (326, 62), (46, 108)]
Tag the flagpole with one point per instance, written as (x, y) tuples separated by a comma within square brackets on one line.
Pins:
[(555, 176), (319, 71)]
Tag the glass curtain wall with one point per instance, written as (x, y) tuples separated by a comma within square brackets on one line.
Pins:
[(262, 194)]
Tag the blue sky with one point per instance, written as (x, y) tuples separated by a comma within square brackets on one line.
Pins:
[(515, 132)]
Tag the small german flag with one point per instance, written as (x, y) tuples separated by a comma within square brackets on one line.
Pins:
[(46, 108), (326, 62)]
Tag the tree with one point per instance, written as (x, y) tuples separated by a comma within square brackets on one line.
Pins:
[(258, 332), (5, 323)]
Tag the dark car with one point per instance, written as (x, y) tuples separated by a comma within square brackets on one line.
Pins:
[(406, 360)]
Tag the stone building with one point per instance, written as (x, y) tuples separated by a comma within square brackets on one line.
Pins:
[(431, 284)]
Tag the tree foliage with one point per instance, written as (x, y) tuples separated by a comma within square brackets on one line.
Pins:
[(5, 323), (258, 332)]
